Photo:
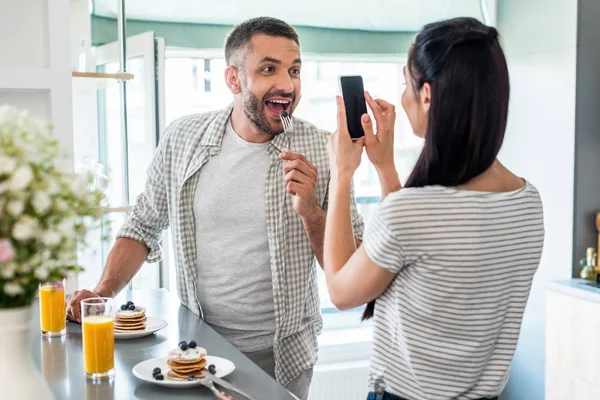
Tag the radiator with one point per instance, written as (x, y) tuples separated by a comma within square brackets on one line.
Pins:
[(343, 381)]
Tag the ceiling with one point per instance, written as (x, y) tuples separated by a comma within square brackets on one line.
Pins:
[(374, 15)]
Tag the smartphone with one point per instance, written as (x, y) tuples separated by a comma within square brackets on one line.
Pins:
[(353, 93)]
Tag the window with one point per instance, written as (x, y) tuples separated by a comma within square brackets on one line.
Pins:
[(195, 84), (141, 152)]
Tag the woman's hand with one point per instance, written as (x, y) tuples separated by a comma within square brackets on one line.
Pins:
[(344, 153), (380, 145)]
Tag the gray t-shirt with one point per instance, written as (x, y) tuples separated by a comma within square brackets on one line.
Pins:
[(234, 271)]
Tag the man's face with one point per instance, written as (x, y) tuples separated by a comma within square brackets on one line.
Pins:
[(270, 81)]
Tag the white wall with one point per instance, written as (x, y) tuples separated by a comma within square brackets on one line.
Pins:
[(22, 30), (85, 118), (85, 127), (539, 39), (35, 72), (34, 67), (491, 7)]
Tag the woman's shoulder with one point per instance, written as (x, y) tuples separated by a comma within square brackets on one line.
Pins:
[(437, 196), (410, 200), (412, 195), (527, 189), (420, 192)]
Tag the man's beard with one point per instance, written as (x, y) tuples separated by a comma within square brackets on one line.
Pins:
[(253, 110)]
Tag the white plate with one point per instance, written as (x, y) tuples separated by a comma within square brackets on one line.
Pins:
[(144, 369), (153, 324)]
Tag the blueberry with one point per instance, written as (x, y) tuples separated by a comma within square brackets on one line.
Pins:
[(156, 371), (129, 303), (131, 307), (192, 344), (183, 346), (159, 377), (212, 369), (123, 307), (191, 378)]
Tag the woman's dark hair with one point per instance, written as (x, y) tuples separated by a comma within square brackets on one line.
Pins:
[(463, 62)]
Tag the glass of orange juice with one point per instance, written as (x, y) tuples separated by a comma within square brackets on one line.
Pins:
[(97, 319), (53, 320)]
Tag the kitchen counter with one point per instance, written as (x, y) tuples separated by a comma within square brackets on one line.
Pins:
[(61, 359), (581, 288), (572, 346)]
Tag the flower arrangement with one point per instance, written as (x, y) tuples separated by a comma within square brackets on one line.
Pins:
[(45, 210)]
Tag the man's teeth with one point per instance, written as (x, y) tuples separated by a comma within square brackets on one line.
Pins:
[(280, 101)]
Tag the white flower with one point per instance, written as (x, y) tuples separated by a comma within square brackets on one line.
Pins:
[(35, 260), (51, 238), (23, 119), (79, 187), (41, 273), (67, 228), (90, 198), (21, 178), (8, 114), (51, 186), (41, 202), (46, 254), (7, 165), (67, 257), (89, 177), (60, 205), (25, 229), (7, 271), (45, 258), (15, 208), (12, 289)]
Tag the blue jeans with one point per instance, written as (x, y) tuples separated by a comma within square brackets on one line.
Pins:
[(389, 396)]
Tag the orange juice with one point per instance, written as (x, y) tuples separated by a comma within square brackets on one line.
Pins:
[(52, 309), (98, 344)]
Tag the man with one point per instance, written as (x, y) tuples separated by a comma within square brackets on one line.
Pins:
[(245, 203)]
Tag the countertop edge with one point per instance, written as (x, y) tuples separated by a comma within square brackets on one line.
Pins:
[(575, 287)]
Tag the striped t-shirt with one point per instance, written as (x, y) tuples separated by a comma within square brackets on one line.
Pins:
[(448, 324)]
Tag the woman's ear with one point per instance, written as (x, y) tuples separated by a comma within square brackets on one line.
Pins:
[(425, 97)]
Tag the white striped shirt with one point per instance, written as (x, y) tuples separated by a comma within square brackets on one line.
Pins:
[(448, 324)]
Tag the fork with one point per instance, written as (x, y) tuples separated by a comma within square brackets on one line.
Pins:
[(287, 123), (218, 394), (224, 384)]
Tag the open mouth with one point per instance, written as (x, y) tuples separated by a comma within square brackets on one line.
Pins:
[(276, 106)]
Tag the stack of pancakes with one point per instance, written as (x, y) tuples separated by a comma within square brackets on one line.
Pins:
[(130, 320), (183, 363)]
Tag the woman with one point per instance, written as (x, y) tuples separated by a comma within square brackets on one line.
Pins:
[(450, 257)]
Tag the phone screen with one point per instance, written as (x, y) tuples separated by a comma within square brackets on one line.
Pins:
[(353, 93)]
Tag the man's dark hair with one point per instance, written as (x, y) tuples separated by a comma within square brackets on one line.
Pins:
[(241, 35)]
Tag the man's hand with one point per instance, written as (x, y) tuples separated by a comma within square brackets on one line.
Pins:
[(74, 306), (301, 182)]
